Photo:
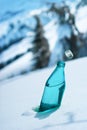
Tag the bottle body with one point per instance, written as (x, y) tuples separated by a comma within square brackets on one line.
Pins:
[(54, 89)]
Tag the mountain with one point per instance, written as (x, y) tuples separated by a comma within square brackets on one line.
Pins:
[(17, 31)]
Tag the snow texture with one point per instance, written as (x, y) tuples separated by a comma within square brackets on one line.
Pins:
[(18, 96), (81, 19)]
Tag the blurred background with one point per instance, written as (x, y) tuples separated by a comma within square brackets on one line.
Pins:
[(36, 34)]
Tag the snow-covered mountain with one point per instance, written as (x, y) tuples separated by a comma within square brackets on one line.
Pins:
[(17, 33)]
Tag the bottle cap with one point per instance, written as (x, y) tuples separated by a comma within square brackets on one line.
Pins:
[(69, 54)]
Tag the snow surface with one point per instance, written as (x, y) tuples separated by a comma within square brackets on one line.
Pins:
[(16, 67), (81, 19), (19, 95), (14, 50)]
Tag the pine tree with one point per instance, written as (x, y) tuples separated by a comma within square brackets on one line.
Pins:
[(40, 48)]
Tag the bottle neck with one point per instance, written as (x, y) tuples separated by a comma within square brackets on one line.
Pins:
[(61, 64)]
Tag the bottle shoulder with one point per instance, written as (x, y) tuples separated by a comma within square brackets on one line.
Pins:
[(57, 77)]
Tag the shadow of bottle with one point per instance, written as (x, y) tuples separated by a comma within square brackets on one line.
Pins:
[(44, 114)]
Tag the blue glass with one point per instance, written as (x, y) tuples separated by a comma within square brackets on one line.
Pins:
[(54, 88)]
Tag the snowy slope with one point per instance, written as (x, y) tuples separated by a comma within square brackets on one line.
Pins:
[(19, 95), (15, 68)]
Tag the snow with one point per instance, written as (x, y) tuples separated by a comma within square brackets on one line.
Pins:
[(16, 49), (19, 95), (81, 19), (22, 64)]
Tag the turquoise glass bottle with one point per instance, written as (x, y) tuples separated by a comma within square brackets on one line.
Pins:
[(54, 89)]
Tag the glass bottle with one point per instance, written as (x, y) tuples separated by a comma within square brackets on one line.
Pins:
[(54, 88)]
